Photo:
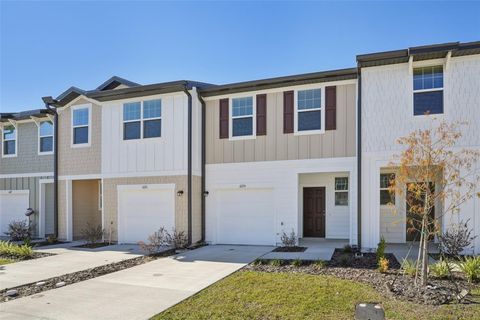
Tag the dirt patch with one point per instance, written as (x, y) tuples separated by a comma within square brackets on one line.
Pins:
[(93, 245), (70, 278), (363, 269), (290, 249)]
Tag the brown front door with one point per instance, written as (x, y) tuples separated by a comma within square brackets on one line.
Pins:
[(314, 212)]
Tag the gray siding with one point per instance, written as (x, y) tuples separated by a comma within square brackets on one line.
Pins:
[(27, 159), (279, 146), (31, 184)]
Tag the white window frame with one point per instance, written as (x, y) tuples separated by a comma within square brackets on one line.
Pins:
[(4, 140), (347, 191), (385, 189), (89, 126), (427, 64), (39, 138), (296, 111), (142, 120), (253, 116)]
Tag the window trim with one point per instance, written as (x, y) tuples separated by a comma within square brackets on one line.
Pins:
[(4, 140), (231, 117), (40, 153), (335, 191), (296, 111), (142, 120), (386, 189), (89, 126), (427, 64)]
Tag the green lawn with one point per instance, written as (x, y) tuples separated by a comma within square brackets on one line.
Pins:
[(5, 261), (257, 295)]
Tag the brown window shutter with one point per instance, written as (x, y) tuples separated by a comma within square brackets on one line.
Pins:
[(224, 118), (288, 111), (331, 108), (261, 114)]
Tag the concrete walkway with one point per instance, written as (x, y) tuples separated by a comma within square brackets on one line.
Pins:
[(67, 259), (136, 293), (317, 249)]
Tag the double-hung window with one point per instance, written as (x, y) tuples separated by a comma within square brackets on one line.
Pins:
[(45, 137), (386, 180), (309, 110), (9, 141), (142, 120), (242, 117), (80, 126), (341, 191), (428, 90)]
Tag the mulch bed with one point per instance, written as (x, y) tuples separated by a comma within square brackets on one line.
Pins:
[(363, 269), (36, 255), (93, 245), (70, 278), (290, 249)]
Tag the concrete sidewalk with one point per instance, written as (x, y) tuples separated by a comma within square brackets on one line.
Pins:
[(67, 259), (138, 292)]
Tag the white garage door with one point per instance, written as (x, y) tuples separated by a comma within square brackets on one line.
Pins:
[(13, 205), (143, 209), (246, 217)]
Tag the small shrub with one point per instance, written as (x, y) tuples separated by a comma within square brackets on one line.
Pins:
[(347, 248), (288, 240), (409, 267), (297, 263), (319, 264), (456, 239), (470, 267), (177, 239), (156, 241), (51, 239), (92, 234), (440, 269), (257, 262), (383, 265), (18, 230), (381, 249), (344, 260), (13, 250), (276, 262)]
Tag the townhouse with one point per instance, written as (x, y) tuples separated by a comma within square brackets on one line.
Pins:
[(26, 170), (242, 163)]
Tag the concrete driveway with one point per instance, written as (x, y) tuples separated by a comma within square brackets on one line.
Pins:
[(66, 259), (139, 292)]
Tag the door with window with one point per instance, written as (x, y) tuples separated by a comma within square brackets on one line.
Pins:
[(314, 212), (414, 213)]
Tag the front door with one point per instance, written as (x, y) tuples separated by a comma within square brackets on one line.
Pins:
[(414, 219), (314, 212)]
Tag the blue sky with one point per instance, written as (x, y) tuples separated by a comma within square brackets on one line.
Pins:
[(46, 47)]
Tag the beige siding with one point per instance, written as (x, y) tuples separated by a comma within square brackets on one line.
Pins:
[(62, 210), (196, 209), (279, 146), (85, 206), (110, 200), (84, 160)]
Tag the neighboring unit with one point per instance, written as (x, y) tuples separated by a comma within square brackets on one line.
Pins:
[(26, 170)]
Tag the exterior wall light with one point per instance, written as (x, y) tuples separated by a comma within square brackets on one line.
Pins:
[(205, 193), (180, 193)]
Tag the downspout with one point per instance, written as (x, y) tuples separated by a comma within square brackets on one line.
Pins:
[(203, 160), (359, 158), (55, 168), (189, 172)]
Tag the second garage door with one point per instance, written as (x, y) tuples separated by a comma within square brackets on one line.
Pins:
[(246, 217), (143, 209), (13, 205)]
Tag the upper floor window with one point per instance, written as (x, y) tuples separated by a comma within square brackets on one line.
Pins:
[(341, 191), (45, 137), (9, 141), (309, 109), (80, 126), (242, 117), (142, 119), (428, 90), (386, 180)]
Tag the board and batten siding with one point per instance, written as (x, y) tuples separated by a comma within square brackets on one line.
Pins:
[(276, 145), (165, 154)]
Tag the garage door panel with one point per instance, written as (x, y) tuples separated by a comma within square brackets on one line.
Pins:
[(142, 212), (246, 217), (12, 208)]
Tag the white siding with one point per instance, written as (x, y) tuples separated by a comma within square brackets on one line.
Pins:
[(387, 114), (165, 155), (283, 178)]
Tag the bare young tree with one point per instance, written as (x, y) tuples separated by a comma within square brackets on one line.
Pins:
[(431, 170)]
